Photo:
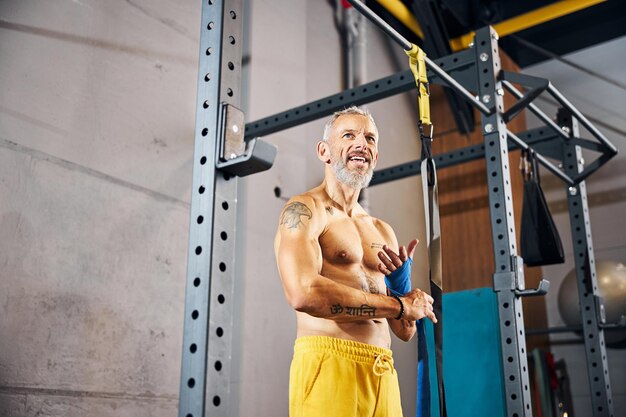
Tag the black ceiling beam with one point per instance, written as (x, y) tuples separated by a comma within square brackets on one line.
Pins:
[(585, 28), (593, 25)]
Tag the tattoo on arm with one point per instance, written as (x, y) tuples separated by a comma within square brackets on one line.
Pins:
[(336, 309), (292, 214), (363, 311)]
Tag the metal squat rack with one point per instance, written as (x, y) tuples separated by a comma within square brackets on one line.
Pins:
[(225, 149)]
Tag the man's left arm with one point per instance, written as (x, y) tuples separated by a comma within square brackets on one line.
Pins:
[(397, 269), (404, 329)]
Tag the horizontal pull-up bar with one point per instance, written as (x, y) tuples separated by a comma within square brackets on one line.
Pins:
[(461, 64), (384, 26), (404, 43), (403, 14), (533, 137)]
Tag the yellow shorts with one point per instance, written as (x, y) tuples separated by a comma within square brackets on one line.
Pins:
[(332, 377)]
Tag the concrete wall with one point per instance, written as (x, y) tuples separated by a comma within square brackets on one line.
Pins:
[(96, 130)]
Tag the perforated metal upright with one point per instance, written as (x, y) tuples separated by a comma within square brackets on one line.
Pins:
[(207, 339), (591, 313), (508, 277)]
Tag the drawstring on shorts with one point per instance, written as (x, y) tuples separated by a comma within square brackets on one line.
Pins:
[(383, 364)]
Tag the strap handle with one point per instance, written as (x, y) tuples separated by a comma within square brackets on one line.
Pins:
[(417, 63)]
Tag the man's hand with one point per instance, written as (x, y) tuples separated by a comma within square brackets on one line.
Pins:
[(390, 261), (417, 305)]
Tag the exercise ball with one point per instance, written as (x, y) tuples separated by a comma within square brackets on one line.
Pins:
[(611, 278)]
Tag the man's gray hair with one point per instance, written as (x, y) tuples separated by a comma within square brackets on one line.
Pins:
[(347, 111)]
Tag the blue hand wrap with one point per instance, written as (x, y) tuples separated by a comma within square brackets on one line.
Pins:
[(399, 281)]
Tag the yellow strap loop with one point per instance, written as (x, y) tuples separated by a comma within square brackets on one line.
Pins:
[(418, 68)]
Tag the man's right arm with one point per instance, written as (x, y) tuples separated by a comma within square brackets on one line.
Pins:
[(299, 258)]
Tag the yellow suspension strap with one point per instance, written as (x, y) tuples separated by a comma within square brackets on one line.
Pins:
[(433, 241), (417, 64)]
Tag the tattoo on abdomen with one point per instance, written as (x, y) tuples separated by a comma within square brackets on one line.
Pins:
[(363, 310), (292, 214)]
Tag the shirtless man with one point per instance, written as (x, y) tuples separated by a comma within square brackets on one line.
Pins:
[(332, 258)]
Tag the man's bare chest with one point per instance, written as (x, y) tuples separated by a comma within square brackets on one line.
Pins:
[(352, 242)]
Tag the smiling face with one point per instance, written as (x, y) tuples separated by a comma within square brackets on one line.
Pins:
[(351, 149)]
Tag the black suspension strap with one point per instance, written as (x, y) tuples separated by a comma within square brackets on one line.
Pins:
[(433, 231), (433, 242)]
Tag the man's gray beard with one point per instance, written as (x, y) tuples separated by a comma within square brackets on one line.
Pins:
[(353, 180)]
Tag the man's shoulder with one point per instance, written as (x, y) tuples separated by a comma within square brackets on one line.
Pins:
[(314, 199), (309, 198), (304, 210), (381, 224)]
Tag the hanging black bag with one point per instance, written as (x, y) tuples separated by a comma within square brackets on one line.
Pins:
[(540, 240)]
